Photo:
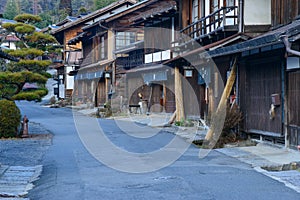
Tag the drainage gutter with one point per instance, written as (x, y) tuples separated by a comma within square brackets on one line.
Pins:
[(288, 45)]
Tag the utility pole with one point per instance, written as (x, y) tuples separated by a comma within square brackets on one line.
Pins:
[(35, 7)]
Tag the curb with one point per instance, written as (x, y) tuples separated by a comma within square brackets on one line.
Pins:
[(278, 178), (290, 178), (3, 168)]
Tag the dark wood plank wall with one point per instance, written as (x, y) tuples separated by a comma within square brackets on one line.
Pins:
[(258, 80), (96, 48), (156, 101), (170, 105), (294, 98), (193, 96), (87, 52), (101, 93), (294, 108), (135, 85), (158, 36), (284, 11), (185, 15)]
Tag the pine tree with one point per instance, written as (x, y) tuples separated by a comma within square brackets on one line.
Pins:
[(78, 4), (102, 3), (66, 5), (29, 69)]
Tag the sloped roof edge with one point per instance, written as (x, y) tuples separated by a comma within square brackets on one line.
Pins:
[(270, 38), (92, 15)]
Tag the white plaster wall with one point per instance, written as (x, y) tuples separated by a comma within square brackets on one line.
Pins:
[(110, 44), (207, 12), (10, 45), (257, 12), (70, 79)]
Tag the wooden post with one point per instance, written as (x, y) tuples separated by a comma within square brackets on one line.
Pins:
[(106, 84), (164, 97), (179, 96), (172, 118), (220, 114)]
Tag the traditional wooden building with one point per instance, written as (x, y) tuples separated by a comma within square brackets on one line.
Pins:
[(206, 25), (175, 55), (63, 31), (144, 33), (93, 79), (96, 77), (268, 76), (71, 30), (260, 82)]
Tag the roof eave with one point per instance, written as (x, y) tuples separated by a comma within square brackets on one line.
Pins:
[(92, 15)]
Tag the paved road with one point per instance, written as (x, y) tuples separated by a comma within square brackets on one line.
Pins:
[(70, 172)]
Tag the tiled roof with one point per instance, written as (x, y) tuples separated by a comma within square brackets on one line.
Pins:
[(92, 15), (12, 38), (271, 37)]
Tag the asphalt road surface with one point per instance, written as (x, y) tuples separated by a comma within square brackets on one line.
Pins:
[(70, 172)]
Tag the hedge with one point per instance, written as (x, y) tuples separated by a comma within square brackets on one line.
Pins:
[(10, 118)]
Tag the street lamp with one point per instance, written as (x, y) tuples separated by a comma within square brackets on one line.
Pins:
[(107, 74)]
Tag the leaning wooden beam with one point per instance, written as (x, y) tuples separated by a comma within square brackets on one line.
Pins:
[(172, 118), (218, 118)]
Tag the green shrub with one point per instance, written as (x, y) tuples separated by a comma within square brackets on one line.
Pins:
[(10, 117), (52, 100), (108, 112), (33, 95), (184, 123)]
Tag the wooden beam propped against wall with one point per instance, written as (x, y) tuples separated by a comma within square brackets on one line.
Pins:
[(218, 117)]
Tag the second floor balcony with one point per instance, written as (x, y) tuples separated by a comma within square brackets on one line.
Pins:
[(213, 27), (133, 59)]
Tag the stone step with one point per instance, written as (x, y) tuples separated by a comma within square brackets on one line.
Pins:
[(16, 181)]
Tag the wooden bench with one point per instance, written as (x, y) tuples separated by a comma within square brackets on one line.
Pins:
[(136, 106)]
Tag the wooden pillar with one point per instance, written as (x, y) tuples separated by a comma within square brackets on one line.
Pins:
[(179, 96), (107, 85), (164, 97)]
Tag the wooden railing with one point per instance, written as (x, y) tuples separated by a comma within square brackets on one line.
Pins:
[(209, 24), (131, 61)]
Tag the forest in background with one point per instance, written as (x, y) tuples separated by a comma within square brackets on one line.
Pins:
[(51, 11)]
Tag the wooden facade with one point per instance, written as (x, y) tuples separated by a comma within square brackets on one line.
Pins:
[(294, 97), (261, 79), (284, 12), (293, 94), (71, 34), (159, 95), (94, 64), (205, 24), (266, 90), (153, 20), (195, 105)]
